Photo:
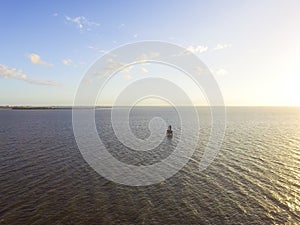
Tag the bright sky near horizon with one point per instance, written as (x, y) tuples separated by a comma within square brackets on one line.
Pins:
[(251, 47)]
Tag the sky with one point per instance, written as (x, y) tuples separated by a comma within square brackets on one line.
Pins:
[(251, 47)]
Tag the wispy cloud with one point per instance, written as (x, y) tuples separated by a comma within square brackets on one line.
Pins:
[(121, 26), (110, 66), (103, 51), (148, 56), (92, 47), (95, 48), (12, 73), (197, 48), (100, 50), (67, 62), (36, 59), (81, 22), (42, 82), (192, 49), (221, 46), (127, 69), (6, 72)]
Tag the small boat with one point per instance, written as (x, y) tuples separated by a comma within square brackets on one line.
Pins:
[(169, 132)]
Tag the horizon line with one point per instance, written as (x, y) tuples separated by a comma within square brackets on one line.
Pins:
[(110, 106)]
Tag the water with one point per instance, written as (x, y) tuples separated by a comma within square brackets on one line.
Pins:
[(255, 178)]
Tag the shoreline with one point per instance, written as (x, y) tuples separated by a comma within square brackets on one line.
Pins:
[(110, 107), (50, 107)]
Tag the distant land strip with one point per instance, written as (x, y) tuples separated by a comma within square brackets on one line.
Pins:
[(50, 107)]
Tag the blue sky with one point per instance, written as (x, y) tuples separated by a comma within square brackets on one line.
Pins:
[(252, 47)]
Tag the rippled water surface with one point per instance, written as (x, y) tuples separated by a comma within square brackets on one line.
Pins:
[(255, 178)]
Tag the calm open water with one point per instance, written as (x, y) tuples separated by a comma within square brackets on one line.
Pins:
[(255, 178)]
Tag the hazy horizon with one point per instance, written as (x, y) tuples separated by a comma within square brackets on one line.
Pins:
[(110, 106)]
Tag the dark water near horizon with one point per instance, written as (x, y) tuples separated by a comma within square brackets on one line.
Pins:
[(255, 178)]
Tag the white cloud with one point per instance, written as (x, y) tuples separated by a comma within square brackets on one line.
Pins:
[(42, 82), (92, 47), (192, 49), (126, 69), (197, 48), (36, 59), (148, 56), (95, 48), (81, 22), (6, 72), (121, 26), (221, 46), (113, 65), (55, 14), (67, 62), (135, 35), (12, 73), (103, 51), (110, 67)]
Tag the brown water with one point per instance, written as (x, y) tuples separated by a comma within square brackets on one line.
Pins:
[(255, 179)]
